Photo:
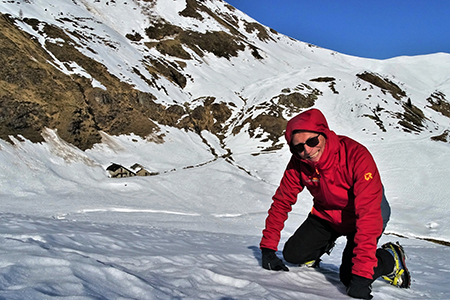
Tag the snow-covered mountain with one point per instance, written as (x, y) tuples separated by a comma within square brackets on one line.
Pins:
[(197, 93), (128, 66)]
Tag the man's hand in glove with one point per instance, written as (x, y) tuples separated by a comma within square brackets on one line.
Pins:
[(360, 287), (270, 261)]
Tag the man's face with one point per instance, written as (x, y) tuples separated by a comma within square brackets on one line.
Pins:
[(311, 153)]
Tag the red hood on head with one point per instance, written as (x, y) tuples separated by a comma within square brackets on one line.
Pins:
[(313, 120), (310, 120)]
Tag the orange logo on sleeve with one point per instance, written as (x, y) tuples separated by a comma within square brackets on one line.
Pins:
[(368, 176)]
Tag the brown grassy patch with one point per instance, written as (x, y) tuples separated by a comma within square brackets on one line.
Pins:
[(439, 103), (262, 34), (167, 70), (170, 47), (219, 43), (210, 116), (273, 124), (162, 29), (296, 101), (135, 37), (330, 80), (383, 83), (444, 137), (323, 79), (191, 10), (412, 119)]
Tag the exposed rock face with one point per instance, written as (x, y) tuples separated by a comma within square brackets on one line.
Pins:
[(34, 94)]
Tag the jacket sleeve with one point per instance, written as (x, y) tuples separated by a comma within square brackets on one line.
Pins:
[(284, 198), (368, 193)]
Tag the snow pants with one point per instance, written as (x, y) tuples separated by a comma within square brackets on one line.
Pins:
[(316, 237)]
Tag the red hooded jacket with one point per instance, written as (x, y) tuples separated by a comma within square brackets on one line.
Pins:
[(346, 187)]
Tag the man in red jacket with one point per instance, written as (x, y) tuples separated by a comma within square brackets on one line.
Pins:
[(349, 201)]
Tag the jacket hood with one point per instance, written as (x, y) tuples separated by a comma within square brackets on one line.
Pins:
[(313, 120), (310, 120)]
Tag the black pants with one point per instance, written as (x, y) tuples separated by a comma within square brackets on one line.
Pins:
[(315, 236)]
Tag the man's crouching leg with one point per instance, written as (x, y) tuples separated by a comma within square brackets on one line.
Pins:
[(309, 242)]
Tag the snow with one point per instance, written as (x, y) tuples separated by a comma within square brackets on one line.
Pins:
[(70, 231), (192, 231)]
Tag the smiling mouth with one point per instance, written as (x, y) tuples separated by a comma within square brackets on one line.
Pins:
[(313, 155)]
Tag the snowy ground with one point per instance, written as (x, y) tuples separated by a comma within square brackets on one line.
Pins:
[(192, 232), (90, 260)]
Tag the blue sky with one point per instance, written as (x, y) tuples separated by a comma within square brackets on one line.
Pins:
[(375, 29)]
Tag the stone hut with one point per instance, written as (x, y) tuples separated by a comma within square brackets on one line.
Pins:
[(118, 171), (141, 171)]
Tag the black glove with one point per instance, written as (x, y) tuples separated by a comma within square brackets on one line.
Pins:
[(360, 287), (270, 261)]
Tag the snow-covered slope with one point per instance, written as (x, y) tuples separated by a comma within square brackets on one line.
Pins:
[(192, 230)]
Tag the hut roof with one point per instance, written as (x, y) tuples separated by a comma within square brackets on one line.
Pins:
[(114, 167)]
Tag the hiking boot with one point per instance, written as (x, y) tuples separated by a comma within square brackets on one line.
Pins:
[(400, 276), (312, 264), (315, 263)]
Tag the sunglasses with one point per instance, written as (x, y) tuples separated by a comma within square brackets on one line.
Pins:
[(300, 147)]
